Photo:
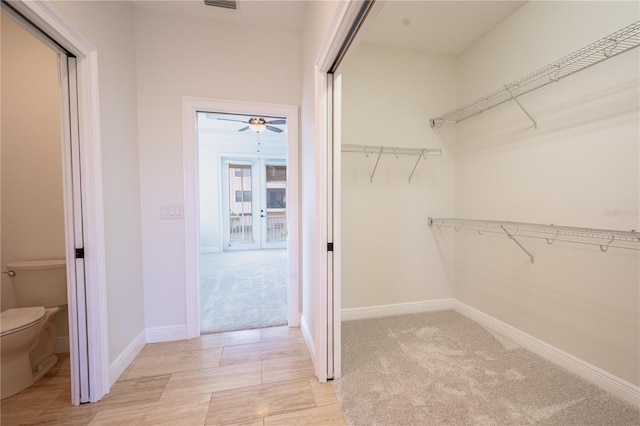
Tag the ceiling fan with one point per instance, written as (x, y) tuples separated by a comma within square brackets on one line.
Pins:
[(258, 124)]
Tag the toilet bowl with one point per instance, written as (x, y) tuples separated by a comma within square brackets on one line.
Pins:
[(27, 332), (21, 330)]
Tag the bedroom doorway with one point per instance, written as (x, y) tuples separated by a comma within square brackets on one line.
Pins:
[(243, 260), (247, 225)]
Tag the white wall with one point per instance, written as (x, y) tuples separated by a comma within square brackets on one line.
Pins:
[(32, 196), (193, 56), (389, 254), (109, 26), (580, 168)]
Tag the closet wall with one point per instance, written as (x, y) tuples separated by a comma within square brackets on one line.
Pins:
[(580, 168), (389, 254)]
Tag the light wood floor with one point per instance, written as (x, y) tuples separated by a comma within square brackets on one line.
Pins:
[(252, 377)]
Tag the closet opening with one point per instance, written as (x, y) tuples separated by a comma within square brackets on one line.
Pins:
[(472, 253)]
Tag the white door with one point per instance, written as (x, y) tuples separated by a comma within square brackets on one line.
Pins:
[(78, 341), (254, 210), (239, 205), (273, 204)]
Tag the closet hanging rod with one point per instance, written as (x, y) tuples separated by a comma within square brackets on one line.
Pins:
[(607, 47), (378, 151), (375, 149), (550, 233)]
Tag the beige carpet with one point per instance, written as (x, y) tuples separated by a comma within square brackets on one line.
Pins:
[(243, 289), (440, 368)]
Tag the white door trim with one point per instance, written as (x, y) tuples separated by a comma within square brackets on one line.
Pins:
[(190, 106), (50, 22), (74, 234)]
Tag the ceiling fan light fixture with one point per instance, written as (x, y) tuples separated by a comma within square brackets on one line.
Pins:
[(258, 125)]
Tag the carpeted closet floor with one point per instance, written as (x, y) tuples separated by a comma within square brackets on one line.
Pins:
[(441, 368)]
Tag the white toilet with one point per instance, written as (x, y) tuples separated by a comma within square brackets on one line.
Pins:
[(28, 335)]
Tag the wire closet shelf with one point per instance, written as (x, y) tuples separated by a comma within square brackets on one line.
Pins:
[(377, 151), (612, 45), (604, 238)]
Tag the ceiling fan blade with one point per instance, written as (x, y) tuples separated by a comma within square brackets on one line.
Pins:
[(277, 122), (274, 129), (231, 119), (243, 129)]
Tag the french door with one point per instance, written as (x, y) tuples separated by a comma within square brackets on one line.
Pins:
[(254, 203)]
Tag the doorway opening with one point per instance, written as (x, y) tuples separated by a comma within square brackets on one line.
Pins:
[(243, 226), (51, 91)]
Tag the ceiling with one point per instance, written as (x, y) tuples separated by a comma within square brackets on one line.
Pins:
[(446, 27), (278, 14)]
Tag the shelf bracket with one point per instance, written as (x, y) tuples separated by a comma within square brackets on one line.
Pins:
[(376, 165), (415, 166), (511, 237), (535, 124)]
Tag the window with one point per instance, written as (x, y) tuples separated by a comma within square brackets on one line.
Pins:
[(276, 198), (243, 196), (240, 171), (276, 173)]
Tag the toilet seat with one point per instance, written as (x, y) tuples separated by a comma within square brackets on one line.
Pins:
[(17, 319)]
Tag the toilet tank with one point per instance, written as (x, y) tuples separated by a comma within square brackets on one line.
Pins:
[(39, 282)]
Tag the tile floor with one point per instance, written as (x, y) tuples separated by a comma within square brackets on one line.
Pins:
[(251, 377)]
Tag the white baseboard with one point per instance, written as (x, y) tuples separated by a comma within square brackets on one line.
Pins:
[(166, 334), (62, 345), (307, 337), (125, 358), (607, 381), (397, 309)]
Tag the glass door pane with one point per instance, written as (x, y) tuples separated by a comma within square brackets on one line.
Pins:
[(275, 205), (240, 203)]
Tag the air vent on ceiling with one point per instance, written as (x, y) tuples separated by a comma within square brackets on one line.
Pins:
[(225, 4)]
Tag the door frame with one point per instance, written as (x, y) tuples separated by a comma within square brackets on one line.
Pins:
[(190, 107), (50, 22)]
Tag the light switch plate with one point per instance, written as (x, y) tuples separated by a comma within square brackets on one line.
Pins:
[(171, 211)]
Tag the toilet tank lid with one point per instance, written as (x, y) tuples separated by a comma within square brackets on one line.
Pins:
[(26, 265), (20, 317)]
